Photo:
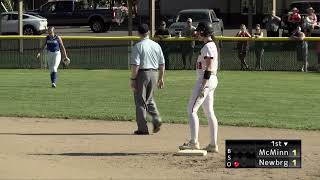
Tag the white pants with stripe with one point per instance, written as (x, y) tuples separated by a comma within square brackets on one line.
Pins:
[(54, 59), (207, 104)]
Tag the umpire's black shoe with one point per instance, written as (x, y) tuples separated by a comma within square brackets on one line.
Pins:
[(156, 127), (137, 132)]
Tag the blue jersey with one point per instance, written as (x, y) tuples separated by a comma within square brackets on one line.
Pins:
[(53, 44)]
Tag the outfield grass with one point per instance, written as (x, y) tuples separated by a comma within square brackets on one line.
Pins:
[(264, 99)]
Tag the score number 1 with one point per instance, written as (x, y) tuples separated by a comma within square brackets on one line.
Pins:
[(294, 152)]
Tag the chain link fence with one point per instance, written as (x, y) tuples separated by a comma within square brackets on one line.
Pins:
[(94, 53)]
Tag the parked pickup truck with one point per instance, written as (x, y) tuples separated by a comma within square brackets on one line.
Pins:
[(76, 13), (197, 15)]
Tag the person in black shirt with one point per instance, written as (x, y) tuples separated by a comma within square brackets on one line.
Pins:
[(163, 30), (162, 33)]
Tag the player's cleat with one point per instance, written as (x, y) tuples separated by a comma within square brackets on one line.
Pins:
[(140, 133), (156, 127), (53, 85), (211, 148), (190, 145)]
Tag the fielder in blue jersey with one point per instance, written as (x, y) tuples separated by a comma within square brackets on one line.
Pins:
[(55, 48)]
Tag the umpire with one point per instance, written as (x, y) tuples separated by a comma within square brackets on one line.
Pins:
[(147, 58)]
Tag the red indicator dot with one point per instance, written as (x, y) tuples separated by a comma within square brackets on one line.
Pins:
[(236, 164)]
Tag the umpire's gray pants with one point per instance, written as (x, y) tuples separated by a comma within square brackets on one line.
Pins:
[(143, 96)]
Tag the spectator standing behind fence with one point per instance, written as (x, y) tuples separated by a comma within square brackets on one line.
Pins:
[(311, 20), (162, 33), (187, 48), (243, 47), (272, 23), (294, 20), (259, 51), (302, 47), (284, 23)]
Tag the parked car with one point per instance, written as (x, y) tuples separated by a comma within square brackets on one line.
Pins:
[(32, 25), (197, 15), (77, 13)]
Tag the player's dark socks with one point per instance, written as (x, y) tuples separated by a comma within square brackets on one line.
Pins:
[(53, 76)]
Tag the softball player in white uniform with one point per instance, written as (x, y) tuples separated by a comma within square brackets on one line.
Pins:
[(54, 46), (203, 92)]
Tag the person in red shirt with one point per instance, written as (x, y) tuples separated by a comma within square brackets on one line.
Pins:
[(243, 46), (294, 19)]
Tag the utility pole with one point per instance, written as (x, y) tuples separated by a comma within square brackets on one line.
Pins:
[(274, 6), (130, 28), (152, 16), (250, 16), (20, 25), (130, 24)]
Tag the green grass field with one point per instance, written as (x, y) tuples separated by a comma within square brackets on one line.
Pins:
[(264, 99)]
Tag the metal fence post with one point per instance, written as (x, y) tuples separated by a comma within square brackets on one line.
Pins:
[(20, 26), (219, 55), (306, 60), (130, 28), (129, 53)]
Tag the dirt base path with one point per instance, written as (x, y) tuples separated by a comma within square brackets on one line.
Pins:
[(88, 149)]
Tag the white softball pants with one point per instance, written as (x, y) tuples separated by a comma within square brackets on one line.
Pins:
[(207, 104), (54, 59)]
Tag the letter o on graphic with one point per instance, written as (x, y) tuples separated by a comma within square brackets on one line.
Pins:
[(228, 164)]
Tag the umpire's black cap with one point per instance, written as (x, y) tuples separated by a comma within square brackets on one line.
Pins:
[(143, 29)]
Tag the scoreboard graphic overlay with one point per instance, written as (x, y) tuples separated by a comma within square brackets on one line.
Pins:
[(263, 153)]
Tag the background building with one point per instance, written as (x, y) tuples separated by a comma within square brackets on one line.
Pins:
[(232, 12)]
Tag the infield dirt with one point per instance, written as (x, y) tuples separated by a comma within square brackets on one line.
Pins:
[(32, 148)]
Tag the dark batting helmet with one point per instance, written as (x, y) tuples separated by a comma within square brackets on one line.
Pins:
[(205, 29)]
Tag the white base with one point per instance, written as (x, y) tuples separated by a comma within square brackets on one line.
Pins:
[(191, 153)]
